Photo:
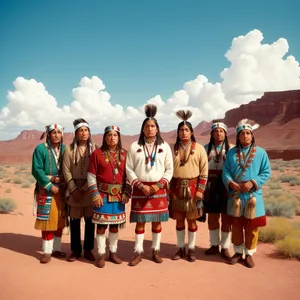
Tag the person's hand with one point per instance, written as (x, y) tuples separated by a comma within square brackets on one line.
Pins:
[(246, 187), (154, 189), (98, 201), (77, 196), (146, 190), (54, 189), (236, 187), (198, 196), (125, 198)]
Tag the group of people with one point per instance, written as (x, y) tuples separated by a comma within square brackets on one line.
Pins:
[(187, 183)]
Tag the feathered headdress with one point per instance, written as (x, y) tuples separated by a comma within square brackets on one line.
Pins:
[(244, 124), (218, 124), (150, 110), (184, 115)]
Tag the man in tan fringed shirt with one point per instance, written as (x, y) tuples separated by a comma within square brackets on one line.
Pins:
[(75, 164), (187, 185)]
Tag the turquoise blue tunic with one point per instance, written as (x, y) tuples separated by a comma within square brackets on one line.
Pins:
[(256, 167)]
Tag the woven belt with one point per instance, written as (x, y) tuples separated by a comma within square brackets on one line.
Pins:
[(183, 182), (113, 189)]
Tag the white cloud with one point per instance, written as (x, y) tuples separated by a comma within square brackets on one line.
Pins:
[(254, 68)]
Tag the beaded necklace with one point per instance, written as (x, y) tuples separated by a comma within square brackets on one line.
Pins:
[(150, 157), (112, 157)]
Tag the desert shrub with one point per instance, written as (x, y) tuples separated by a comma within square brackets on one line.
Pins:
[(277, 229), (25, 185), (31, 179), (277, 208), (274, 184), (294, 163), (23, 168), (295, 182), (273, 193), (17, 180), (290, 245), (8, 191), (7, 205), (2, 168), (7, 180), (287, 177), (3, 175)]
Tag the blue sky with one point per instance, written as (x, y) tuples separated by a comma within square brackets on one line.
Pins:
[(138, 48)]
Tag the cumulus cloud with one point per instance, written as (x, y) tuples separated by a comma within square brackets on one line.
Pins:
[(254, 69)]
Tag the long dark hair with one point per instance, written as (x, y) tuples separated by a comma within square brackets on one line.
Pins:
[(189, 125), (150, 111), (105, 146)]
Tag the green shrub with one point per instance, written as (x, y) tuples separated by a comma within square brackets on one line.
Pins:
[(7, 205), (287, 177), (25, 185), (17, 180), (277, 229), (277, 208), (295, 182), (290, 245), (8, 191), (274, 184)]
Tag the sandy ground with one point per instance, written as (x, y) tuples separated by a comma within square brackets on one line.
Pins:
[(23, 277)]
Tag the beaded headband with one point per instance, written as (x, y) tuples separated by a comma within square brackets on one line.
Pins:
[(109, 128)]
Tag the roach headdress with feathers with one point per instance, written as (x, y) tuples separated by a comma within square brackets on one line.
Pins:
[(150, 111), (184, 115)]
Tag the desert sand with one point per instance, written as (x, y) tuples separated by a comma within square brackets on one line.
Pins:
[(23, 277)]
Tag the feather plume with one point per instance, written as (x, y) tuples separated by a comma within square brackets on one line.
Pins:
[(255, 126), (242, 122), (184, 115), (150, 110)]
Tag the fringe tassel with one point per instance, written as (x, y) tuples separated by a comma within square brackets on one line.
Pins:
[(183, 205), (250, 208), (237, 206), (144, 218)]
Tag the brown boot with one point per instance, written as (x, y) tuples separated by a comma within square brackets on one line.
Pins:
[(249, 263), (73, 257), (46, 258), (114, 258), (100, 263), (225, 254), (191, 255), (235, 258), (137, 258), (156, 257), (88, 254), (179, 254), (212, 250)]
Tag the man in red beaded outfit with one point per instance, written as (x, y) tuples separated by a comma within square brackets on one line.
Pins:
[(187, 185), (107, 185)]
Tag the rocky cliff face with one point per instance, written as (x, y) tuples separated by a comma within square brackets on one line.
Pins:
[(278, 107)]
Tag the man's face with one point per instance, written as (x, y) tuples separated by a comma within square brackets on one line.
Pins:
[(82, 134), (55, 136), (245, 137), (184, 133), (150, 129), (219, 135), (112, 139)]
